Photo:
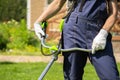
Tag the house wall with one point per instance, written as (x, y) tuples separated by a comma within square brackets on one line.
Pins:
[(34, 9)]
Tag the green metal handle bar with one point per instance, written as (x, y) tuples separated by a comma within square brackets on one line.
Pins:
[(63, 50)]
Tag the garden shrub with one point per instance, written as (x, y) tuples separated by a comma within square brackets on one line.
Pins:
[(15, 35), (4, 36)]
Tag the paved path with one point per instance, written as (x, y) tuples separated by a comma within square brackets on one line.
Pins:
[(36, 58), (28, 58)]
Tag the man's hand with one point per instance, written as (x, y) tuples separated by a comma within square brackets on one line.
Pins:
[(38, 30), (99, 41)]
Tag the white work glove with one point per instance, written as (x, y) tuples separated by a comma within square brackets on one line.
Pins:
[(99, 41), (38, 30)]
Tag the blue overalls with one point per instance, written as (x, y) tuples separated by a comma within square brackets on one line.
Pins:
[(79, 31)]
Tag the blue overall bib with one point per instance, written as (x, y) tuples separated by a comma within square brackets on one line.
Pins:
[(79, 31)]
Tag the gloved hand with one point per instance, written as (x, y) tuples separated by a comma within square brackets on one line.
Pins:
[(38, 30), (99, 41)]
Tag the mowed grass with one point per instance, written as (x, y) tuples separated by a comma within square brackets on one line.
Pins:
[(31, 71)]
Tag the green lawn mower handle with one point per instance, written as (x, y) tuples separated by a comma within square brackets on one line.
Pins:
[(59, 49)]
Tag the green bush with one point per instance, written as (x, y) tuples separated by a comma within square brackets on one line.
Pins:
[(14, 35), (18, 35), (4, 36)]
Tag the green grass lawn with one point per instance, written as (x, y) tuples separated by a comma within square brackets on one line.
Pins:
[(31, 71)]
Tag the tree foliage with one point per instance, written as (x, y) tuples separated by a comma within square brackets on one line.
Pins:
[(12, 9)]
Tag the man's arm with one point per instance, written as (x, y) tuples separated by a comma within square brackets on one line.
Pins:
[(112, 6), (52, 9)]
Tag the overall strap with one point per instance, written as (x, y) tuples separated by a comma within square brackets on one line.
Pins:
[(73, 5), (82, 4), (71, 9)]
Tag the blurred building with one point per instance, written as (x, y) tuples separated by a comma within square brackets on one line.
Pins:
[(34, 9)]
